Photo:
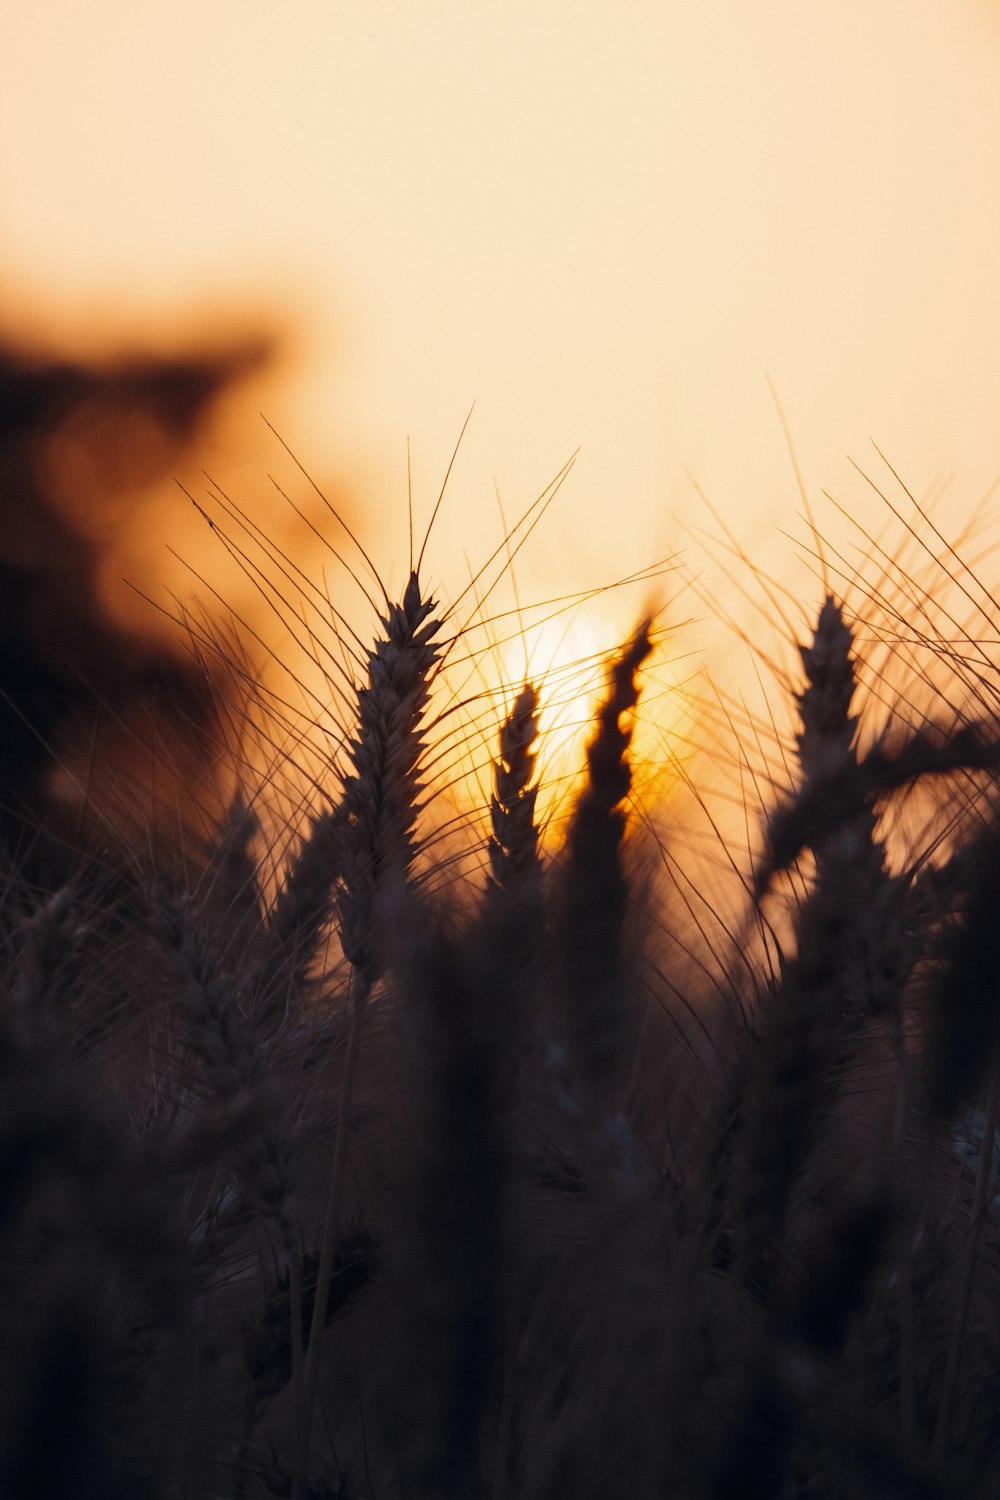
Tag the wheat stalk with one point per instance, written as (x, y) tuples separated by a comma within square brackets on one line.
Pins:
[(374, 827)]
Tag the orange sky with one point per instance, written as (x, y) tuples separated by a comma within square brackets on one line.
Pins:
[(603, 224)]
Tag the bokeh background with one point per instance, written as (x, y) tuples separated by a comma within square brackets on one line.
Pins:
[(612, 228)]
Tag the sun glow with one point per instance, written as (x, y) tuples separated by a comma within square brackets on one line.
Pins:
[(564, 657), (567, 657)]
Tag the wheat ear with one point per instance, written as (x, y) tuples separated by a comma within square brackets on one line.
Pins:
[(374, 832), (513, 843), (803, 1025), (595, 888)]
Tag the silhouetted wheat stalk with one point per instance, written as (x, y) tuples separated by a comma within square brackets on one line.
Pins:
[(373, 828)]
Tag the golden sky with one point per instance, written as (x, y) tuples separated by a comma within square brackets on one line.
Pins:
[(606, 225)]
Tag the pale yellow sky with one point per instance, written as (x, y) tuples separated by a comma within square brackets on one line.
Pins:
[(603, 224)]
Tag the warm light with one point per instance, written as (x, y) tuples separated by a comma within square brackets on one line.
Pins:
[(566, 655), (678, 204), (566, 658)]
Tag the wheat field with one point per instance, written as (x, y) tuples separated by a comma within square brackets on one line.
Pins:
[(359, 1141)]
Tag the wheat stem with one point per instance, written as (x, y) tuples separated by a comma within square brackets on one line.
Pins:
[(328, 1244), (904, 1264), (984, 1173)]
